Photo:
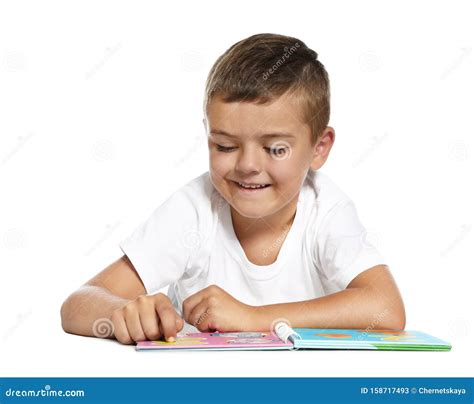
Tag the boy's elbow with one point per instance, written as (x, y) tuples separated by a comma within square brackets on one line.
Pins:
[(397, 323), (396, 318), (65, 315)]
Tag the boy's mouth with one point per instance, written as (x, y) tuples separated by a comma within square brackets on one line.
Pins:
[(250, 187)]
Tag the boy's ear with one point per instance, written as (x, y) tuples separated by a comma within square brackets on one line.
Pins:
[(322, 148)]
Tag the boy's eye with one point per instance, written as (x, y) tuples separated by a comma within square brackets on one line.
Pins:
[(274, 151), (277, 151), (225, 149)]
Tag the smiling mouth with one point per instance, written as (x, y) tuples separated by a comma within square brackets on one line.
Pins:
[(251, 187)]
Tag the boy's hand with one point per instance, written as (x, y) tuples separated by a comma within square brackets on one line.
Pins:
[(148, 317), (213, 309)]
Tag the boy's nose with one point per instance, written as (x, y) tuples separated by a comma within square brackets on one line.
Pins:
[(249, 161)]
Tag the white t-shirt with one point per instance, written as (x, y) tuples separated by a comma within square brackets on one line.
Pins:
[(189, 243)]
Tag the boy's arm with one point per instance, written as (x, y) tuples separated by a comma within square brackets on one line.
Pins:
[(114, 304), (109, 290), (371, 301)]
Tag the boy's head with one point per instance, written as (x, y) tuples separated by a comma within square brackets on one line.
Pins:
[(266, 115)]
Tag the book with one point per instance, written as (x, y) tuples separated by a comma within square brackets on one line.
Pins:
[(283, 337)]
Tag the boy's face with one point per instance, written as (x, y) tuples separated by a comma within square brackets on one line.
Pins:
[(265, 146)]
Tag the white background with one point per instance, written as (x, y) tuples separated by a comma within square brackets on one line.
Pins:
[(101, 120)]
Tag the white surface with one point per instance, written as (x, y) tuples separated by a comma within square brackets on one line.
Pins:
[(101, 100)]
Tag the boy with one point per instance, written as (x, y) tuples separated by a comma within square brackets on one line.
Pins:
[(262, 236)]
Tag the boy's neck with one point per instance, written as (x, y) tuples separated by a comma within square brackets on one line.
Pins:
[(278, 222)]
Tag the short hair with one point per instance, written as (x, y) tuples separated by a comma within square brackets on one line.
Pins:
[(263, 67)]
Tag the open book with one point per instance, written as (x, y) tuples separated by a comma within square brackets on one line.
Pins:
[(284, 337)]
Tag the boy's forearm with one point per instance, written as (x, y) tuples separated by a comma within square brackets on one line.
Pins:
[(88, 304), (351, 308)]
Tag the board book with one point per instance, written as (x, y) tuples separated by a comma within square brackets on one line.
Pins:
[(283, 337)]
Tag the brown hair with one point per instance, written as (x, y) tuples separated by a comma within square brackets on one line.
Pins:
[(263, 67)]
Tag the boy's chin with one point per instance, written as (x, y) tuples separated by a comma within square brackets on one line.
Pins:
[(250, 212)]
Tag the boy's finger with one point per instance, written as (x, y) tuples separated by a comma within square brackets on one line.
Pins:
[(120, 330), (149, 321), (132, 319), (199, 316), (161, 328), (167, 321), (191, 302), (179, 323)]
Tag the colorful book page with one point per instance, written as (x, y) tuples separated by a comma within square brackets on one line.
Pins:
[(219, 341), (367, 339)]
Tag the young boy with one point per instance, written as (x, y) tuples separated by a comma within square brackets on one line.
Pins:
[(262, 236)]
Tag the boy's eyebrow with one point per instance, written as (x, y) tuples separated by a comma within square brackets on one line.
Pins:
[(266, 135)]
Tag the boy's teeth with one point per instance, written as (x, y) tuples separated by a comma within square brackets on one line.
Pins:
[(252, 186)]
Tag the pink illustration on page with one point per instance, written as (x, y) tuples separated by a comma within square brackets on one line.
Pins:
[(230, 340)]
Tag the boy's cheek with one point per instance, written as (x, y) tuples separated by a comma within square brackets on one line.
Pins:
[(219, 163), (216, 177)]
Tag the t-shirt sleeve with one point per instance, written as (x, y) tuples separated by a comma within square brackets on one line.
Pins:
[(343, 250), (160, 247)]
